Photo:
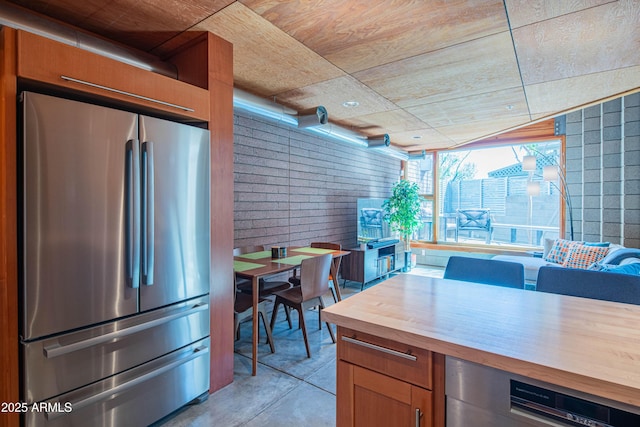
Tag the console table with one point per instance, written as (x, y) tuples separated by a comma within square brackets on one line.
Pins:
[(368, 264)]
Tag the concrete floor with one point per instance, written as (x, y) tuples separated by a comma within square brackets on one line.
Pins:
[(290, 389)]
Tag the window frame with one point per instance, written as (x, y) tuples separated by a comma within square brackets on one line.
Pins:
[(543, 131)]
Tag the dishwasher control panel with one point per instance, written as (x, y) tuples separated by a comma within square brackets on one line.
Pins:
[(566, 409)]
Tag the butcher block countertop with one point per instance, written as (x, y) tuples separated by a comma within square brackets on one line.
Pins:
[(583, 344)]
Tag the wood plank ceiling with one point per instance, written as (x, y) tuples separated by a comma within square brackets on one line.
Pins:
[(431, 74)]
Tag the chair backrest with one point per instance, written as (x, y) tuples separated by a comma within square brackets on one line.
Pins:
[(247, 250), (486, 271), (314, 274), (473, 219), (326, 245), (602, 285)]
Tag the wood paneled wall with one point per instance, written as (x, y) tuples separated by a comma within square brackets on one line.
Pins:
[(292, 187)]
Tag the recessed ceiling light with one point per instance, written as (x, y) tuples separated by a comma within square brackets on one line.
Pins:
[(509, 107), (350, 104), (416, 137)]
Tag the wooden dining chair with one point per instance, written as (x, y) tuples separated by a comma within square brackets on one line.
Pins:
[(333, 281), (313, 285), (266, 287), (243, 310)]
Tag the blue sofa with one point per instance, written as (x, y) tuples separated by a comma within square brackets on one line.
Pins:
[(617, 255), (603, 285)]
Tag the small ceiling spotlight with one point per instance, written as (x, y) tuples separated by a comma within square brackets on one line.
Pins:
[(350, 104), (382, 141), (421, 155), (320, 117)]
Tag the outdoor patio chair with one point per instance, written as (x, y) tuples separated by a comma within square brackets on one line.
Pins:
[(474, 220), (371, 222)]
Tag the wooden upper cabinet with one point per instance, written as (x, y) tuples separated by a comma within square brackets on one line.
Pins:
[(48, 61)]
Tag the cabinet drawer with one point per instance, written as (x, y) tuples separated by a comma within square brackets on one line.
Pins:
[(397, 360)]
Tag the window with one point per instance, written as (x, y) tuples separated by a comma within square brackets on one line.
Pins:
[(421, 172), (490, 182)]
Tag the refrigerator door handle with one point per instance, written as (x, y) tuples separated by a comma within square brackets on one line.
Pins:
[(132, 212), (106, 394), (56, 349), (148, 226)]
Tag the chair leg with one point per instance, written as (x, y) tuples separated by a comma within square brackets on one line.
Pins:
[(274, 314), (287, 311), (267, 328), (303, 325)]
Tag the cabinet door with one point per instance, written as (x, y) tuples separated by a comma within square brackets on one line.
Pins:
[(372, 399), (370, 265)]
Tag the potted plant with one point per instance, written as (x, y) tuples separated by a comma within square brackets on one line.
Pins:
[(402, 212)]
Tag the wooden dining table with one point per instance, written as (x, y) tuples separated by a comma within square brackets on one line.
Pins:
[(259, 265)]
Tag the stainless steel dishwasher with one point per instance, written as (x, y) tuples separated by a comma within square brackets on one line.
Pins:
[(479, 396)]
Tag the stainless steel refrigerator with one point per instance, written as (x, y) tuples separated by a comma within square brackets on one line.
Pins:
[(114, 265)]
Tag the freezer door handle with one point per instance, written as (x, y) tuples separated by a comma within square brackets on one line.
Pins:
[(148, 226), (56, 349), (132, 212), (106, 394)]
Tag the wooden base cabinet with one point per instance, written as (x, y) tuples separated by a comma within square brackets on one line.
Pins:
[(373, 399), (382, 383)]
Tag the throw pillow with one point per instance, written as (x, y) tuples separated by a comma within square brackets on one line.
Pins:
[(583, 256), (559, 251)]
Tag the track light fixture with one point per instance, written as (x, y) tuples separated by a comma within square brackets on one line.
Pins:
[(320, 117), (417, 156), (382, 141), (313, 123)]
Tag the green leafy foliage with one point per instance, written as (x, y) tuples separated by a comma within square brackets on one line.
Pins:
[(402, 209)]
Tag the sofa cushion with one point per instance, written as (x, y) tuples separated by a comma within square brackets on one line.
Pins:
[(631, 268), (559, 251), (584, 256), (531, 265)]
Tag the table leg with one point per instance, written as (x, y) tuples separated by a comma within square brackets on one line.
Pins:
[(256, 291)]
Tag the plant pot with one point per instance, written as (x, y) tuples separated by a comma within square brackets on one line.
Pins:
[(407, 262)]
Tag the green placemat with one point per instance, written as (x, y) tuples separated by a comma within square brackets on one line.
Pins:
[(319, 251), (293, 260), (256, 255), (244, 266)]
